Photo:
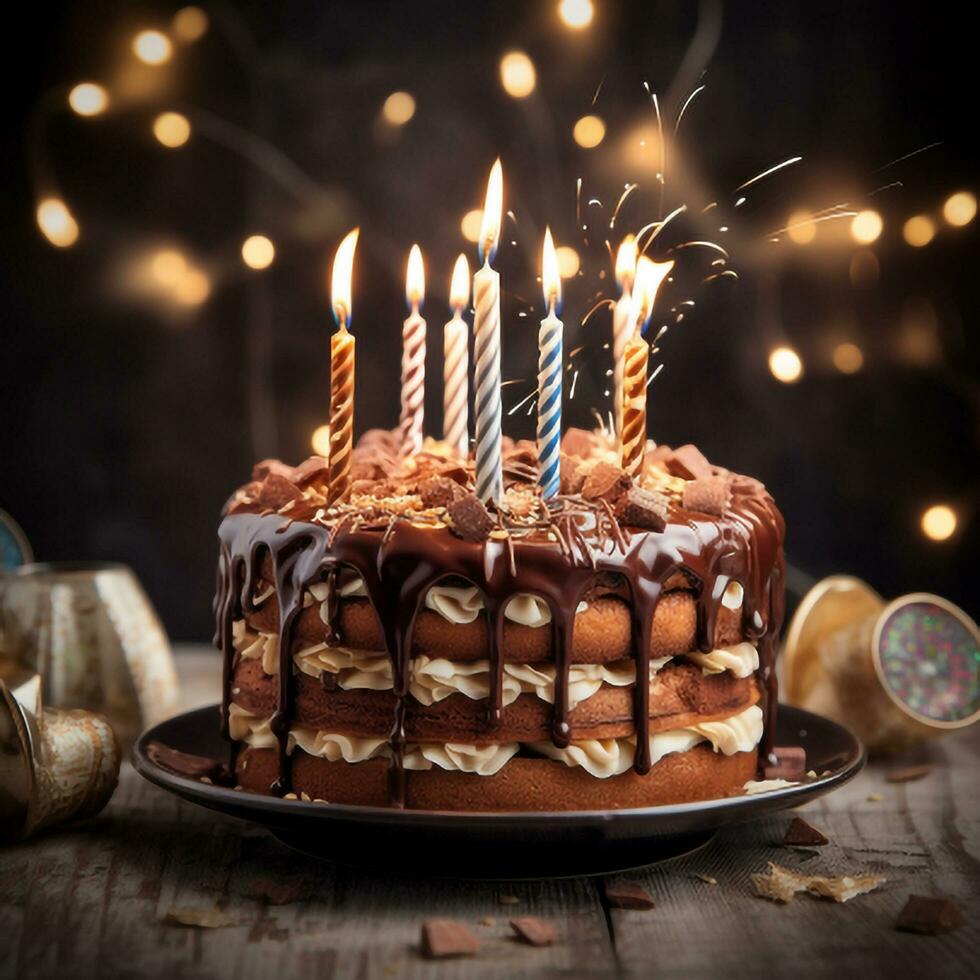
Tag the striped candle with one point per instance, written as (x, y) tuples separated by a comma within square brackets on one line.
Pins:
[(633, 438), (413, 357), (549, 375), (456, 363), (341, 370), (486, 331), (622, 328)]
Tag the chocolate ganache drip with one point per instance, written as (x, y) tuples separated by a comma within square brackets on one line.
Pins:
[(557, 553)]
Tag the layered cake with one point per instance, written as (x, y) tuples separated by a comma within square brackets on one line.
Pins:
[(407, 645)]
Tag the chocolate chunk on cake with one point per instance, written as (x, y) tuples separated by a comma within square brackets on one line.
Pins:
[(410, 645)]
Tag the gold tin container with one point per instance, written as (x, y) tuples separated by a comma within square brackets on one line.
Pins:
[(894, 672)]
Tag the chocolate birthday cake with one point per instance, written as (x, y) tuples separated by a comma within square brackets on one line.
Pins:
[(406, 645)]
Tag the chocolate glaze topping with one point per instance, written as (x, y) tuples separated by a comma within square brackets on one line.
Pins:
[(558, 558)]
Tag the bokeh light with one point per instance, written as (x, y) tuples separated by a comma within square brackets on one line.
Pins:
[(801, 228), (168, 267), (866, 227), (576, 14), (517, 74), (848, 358), (190, 24), (258, 252), (919, 230), (960, 208), (938, 522), (589, 131), (193, 288), (88, 99), (320, 440), (172, 129), (568, 261), (470, 225), (398, 108), (152, 47), (57, 223), (785, 365)]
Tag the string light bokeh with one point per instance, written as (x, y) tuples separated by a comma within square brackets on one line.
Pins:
[(191, 169)]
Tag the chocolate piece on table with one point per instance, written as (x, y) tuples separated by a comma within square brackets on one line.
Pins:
[(471, 519), (316, 469), (187, 764), (606, 482), (641, 508), (276, 491), (708, 495), (440, 491), (627, 895), (277, 891), (800, 834), (534, 931), (442, 938), (268, 466), (907, 773), (790, 763), (929, 916), (688, 462)]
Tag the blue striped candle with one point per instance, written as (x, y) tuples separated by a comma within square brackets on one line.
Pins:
[(549, 375)]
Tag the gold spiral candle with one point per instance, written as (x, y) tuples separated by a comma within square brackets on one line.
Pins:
[(456, 364), (341, 410), (413, 357), (634, 404), (622, 327), (341, 371), (636, 356)]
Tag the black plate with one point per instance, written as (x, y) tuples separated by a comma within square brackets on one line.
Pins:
[(500, 845)]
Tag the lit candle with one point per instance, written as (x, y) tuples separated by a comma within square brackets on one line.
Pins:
[(341, 370), (456, 363), (549, 375), (413, 356), (486, 332), (622, 328), (633, 439)]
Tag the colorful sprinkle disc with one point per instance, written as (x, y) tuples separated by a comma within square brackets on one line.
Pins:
[(929, 660)]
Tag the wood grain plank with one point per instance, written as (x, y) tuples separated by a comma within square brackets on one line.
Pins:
[(925, 836)]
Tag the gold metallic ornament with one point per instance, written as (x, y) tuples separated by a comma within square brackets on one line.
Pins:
[(894, 672)]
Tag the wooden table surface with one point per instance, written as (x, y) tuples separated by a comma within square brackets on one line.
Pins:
[(94, 901)]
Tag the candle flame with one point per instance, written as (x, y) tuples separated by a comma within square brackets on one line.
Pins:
[(550, 273), (340, 279), (459, 290), (649, 277), (415, 278), (626, 262), (492, 208)]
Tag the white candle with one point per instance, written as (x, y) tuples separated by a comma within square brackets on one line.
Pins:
[(413, 357), (486, 331), (549, 375), (456, 363), (622, 328)]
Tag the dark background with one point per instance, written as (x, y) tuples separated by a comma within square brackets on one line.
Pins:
[(127, 420)]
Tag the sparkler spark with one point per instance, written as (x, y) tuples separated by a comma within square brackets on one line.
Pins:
[(599, 305), (626, 193), (687, 102), (766, 173), (914, 153)]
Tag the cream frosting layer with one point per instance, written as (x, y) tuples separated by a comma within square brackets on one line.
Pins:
[(601, 758), (614, 756), (481, 760), (456, 604), (436, 678)]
